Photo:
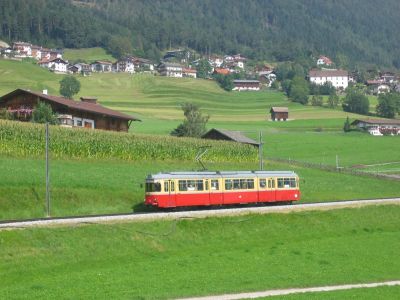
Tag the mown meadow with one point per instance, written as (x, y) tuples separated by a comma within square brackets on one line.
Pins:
[(195, 257)]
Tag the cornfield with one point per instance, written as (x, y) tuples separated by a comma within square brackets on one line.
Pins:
[(28, 140)]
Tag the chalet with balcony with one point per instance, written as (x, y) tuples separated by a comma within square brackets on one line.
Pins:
[(86, 113), (170, 69), (246, 85)]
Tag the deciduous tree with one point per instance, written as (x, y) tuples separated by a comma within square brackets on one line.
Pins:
[(69, 86), (389, 105), (195, 123)]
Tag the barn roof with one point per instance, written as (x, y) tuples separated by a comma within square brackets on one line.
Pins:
[(235, 136), (78, 105), (328, 73), (246, 81), (279, 109), (377, 122)]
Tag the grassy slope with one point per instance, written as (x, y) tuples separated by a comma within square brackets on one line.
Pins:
[(91, 187), (87, 54), (168, 259)]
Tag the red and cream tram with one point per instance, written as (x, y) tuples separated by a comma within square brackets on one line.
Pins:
[(177, 189)]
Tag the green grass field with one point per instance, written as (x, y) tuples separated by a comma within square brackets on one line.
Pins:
[(113, 186), (87, 54), (169, 259)]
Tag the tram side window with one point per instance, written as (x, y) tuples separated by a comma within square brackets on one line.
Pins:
[(246, 184), (182, 185), (292, 182), (280, 183), (269, 183), (166, 186), (263, 183), (214, 184), (199, 185), (190, 185), (172, 186), (228, 184), (236, 184), (153, 187)]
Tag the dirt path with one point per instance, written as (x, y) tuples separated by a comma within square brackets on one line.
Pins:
[(295, 291)]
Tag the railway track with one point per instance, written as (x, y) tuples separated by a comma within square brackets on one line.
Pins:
[(219, 212)]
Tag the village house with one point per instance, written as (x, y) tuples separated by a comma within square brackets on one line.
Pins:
[(216, 61), (101, 66), (56, 65), (188, 72), (379, 127), (84, 69), (22, 49), (170, 69), (86, 113), (125, 65), (228, 135), (50, 54), (388, 77), (279, 113), (377, 86), (143, 65), (246, 85), (324, 61), (338, 78)]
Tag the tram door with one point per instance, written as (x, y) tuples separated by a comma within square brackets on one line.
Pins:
[(169, 186), (215, 192)]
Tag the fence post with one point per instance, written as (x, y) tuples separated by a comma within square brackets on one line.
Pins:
[(47, 172)]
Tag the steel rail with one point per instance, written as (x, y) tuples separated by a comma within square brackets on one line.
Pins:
[(198, 213)]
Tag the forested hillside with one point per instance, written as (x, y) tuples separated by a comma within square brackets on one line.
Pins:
[(351, 32)]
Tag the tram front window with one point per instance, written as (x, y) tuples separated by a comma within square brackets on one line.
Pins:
[(153, 187)]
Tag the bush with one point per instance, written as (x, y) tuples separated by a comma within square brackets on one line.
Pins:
[(317, 100), (44, 114), (195, 123), (5, 114)]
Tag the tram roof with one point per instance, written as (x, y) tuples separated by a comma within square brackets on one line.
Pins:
[(220, 174)]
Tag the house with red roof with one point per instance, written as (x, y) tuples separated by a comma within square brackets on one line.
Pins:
[(221, 71), (324, 60)]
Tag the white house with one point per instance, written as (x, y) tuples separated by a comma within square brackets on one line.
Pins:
[(338, 78), (23, 49), (125, 65), (56, 65), (170, 70), (216, 61)]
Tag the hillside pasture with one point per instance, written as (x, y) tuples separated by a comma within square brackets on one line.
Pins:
[(87, 55), (199, 257)]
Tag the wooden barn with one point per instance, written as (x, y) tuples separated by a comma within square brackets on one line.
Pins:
[(228, 135), (279, 113), (85, 113)]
